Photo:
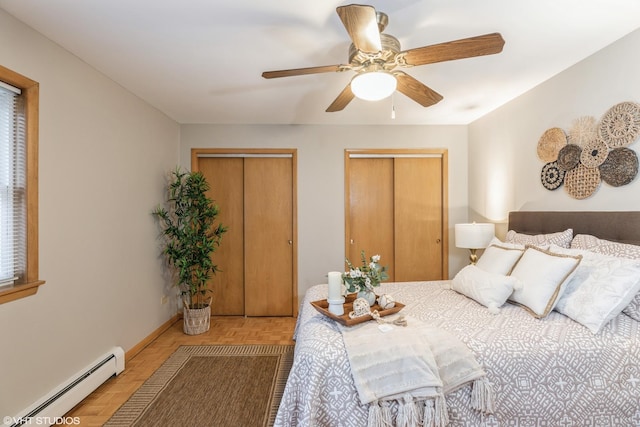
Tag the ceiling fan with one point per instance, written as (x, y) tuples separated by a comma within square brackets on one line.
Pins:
[(376, 57)]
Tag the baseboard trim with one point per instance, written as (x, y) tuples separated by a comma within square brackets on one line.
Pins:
[(149, 339)]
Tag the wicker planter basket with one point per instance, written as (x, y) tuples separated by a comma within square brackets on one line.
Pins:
[(196, 320)]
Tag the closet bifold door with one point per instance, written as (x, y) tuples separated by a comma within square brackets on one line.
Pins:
[(255, 191), (396, 207)]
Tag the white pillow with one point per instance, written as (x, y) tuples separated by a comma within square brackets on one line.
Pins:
[(544, 275), (561, 238), (499, 259), (607, 247), (600, 289), (489, 289)]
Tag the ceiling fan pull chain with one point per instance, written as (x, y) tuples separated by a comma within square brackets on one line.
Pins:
[(393, 107)]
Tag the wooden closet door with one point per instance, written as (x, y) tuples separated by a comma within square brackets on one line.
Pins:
[(396, 206), (370, 201), (268, 219), (418, 219), (226, 178)]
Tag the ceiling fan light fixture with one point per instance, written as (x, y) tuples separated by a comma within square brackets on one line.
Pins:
[(375, 56), (373, 85)]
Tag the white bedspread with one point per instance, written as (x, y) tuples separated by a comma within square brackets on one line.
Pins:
[(549, 372)]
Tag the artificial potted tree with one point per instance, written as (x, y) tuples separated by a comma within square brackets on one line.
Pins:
[(190, 239)]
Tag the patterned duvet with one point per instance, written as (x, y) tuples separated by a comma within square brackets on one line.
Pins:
[(549, 372)]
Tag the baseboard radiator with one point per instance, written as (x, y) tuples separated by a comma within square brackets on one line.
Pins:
[(50, 409)]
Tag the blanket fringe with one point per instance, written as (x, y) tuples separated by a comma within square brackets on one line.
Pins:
[(380, 415), (411, 413), (429, 416), (435, 412), (375, 415), (441, 417), (482, 398), (408, 414), (387, 415), (429, 412)]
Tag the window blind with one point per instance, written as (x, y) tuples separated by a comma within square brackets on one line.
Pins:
[(12, 186)]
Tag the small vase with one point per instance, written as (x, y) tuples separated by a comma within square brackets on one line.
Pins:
[(368, 295)]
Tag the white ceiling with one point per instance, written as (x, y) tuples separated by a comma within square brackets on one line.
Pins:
[(200, 61)]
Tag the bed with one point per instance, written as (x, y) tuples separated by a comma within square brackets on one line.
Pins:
[(547, 371)]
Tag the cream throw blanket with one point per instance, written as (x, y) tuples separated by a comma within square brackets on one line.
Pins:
[(416, 366)]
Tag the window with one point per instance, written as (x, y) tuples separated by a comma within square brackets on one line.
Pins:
[(12, 186), (18, 186)]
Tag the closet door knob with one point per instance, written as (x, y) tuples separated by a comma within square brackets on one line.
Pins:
[(438, 241), (290, 242)]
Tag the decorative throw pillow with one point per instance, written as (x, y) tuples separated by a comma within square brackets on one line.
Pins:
[(607, 247), (489, 289), (544, 275), (561, 238), (499, 259), (601, 287)]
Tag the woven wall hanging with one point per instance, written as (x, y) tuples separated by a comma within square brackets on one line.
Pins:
[(594, 153), (583, 130), (552, 176), (620, 125), (620, 167), (591, 152), (569, 157), (581, 181), (550, 143)]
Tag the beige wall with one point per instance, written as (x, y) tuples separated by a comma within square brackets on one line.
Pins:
[(103, 155), (321, 178), (505, 172)]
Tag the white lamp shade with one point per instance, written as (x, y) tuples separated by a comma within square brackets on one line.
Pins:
[(475, 235), (373, 85)]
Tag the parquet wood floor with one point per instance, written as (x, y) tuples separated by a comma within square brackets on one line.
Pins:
[(98, 407)]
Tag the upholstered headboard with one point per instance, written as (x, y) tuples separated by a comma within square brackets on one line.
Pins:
[(621, 226)]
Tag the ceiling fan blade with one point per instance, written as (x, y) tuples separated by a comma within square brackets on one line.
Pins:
[(415, 90), (345, 97), (362, 26), (487, 44), (303, 71)]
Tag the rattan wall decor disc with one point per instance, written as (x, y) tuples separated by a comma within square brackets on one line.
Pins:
[(620, 125), (620, 167), (551, 176), (594, 153), (581, 181), (583, 130), (569, 157), (550, 143)]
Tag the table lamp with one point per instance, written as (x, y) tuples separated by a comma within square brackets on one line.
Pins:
[(474, 236)]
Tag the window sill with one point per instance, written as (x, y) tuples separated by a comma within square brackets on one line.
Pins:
[(15, 292)]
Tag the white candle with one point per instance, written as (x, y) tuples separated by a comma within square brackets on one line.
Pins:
[(335, 285)]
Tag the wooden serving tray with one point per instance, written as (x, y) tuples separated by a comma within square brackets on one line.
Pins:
[(323, 307)]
